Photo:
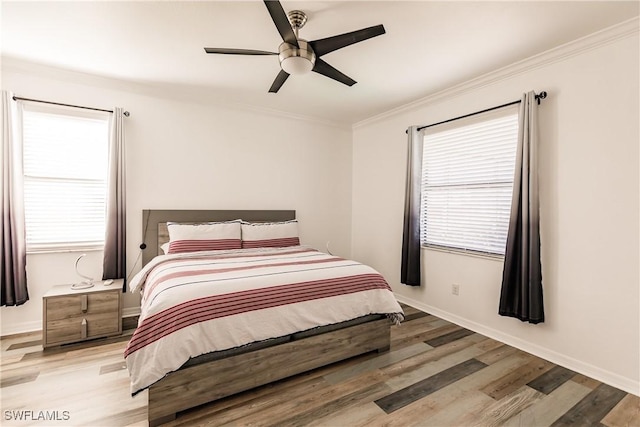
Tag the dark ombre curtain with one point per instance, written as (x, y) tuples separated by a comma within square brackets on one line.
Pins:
[(113, 266), (13, 259), (410, 273), (521, 295)]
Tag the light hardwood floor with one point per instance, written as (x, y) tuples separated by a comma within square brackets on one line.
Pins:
[(436, 374)]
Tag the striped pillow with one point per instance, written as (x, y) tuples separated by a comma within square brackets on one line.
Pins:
[(204, 237), (270, 234)]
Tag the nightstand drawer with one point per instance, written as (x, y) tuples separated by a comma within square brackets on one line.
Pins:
[(72, 315), (65, 307), (80, 328)]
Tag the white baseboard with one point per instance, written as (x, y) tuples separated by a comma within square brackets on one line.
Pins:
[(131, 312), (22, 328), (607, 377)]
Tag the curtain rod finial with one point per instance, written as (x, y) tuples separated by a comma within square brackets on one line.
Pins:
[(541, 95)]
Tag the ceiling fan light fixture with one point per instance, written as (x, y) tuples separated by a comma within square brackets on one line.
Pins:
[(296, 65), (296, 60)]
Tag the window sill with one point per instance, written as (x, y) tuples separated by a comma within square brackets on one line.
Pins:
[(65, 249), (483, 255)]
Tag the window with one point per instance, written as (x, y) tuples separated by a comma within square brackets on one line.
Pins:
[(467, 180), (65, 171)]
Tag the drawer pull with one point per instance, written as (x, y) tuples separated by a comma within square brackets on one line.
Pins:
[(84, 328), (83, 303)]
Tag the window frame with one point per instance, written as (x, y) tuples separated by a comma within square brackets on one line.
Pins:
[(510, 111), (72, 245)]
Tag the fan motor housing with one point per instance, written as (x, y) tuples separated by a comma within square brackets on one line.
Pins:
[(290, 54)]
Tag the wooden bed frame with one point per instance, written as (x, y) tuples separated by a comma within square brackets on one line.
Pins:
[(199, 384)]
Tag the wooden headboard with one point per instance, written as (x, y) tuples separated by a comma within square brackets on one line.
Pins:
[(154, 223)]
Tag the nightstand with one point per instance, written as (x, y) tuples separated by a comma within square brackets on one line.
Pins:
[(71, 315)]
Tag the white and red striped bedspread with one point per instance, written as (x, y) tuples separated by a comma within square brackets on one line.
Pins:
[(196, 303)]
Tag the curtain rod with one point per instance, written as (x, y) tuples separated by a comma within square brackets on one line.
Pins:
[(17, 98), (542, 95)]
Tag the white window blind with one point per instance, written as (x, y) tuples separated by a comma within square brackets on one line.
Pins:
[(467, 180), (65, 171)]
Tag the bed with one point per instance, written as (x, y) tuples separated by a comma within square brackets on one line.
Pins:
[(286, 331)]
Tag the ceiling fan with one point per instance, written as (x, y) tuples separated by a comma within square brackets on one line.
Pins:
[(298, 56)]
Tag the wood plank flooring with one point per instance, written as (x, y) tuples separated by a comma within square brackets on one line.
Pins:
[(436, 374)]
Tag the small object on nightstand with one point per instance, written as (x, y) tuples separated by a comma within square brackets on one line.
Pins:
[(108, 282), (81, 285), (87, 283)]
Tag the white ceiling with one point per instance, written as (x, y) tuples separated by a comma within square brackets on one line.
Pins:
[(429, 45)]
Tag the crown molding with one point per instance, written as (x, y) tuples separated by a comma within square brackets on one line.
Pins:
[(158, 90), (628, 28)]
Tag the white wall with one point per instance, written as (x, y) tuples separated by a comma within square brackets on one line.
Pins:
[(188, 155), (589, 189)]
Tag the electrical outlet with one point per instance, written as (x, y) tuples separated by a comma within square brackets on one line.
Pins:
[(455, 289)]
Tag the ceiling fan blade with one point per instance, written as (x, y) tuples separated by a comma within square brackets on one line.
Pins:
[(237, 51), (325, 69), (279, 81), (282, 21), (324, 46)]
